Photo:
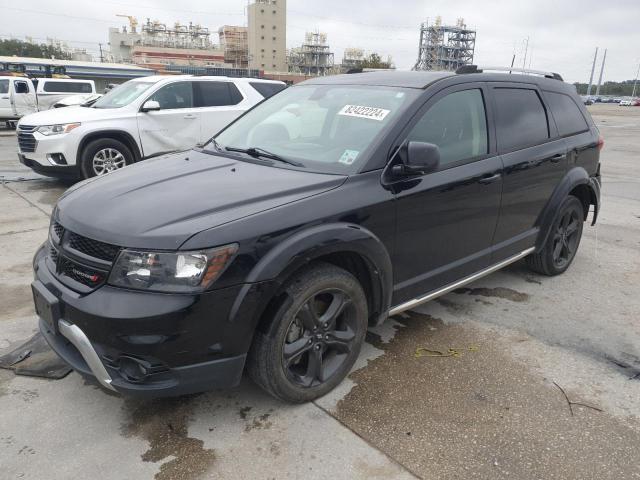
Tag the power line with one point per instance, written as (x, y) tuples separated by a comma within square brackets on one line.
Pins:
[(59, 15)]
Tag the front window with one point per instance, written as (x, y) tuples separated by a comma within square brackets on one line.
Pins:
[(123, 95), (326, 128)]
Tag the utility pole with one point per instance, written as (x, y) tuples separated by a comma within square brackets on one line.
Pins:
[(604, 58), (526, 48), (593, 69), (635, 82)]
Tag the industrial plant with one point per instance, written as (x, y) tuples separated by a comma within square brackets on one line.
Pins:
[(445, 47)]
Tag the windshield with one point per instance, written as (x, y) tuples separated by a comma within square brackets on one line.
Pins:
[(123, 95), (326, 128)]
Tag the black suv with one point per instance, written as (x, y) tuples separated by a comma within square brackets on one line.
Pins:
[(325, 209)]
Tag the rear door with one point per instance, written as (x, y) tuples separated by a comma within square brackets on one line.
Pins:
[(176, 126), (446, 219), (534, 159), (219, 102)]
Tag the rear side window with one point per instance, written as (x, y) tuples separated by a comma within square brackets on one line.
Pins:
[(174, 96), (217, 94), (457, 124), (521, 119), (4, 86), (566, 113), (66, 87), (267, 89)]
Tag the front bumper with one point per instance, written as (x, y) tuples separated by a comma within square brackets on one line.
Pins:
[(49, 153), (149, 344)]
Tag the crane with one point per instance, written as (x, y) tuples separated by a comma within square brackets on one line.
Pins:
[(133, 22)]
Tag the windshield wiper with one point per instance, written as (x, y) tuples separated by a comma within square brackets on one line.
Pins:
[(261, 152)]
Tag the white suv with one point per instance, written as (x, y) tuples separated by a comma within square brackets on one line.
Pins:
[(141, 118)]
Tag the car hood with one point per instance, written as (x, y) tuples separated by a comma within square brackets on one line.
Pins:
[(72, 114), (160, 203)]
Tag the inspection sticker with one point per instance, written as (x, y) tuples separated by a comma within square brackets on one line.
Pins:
[(349, 156), (359, 111)]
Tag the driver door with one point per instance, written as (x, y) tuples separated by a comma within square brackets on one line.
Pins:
[(176, 126), (24, 98), (446, 219)]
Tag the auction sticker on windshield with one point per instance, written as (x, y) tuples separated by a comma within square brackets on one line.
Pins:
[(360, 111)]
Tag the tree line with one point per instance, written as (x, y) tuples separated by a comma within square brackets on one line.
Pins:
[(19, 48), (616, 89)]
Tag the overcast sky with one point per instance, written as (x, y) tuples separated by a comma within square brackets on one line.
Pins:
[(563, 34)]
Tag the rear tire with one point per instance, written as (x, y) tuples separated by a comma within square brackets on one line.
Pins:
[(103, 156), (561, 245), (313, 339)]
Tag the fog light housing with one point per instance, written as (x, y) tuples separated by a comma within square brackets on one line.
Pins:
[(132, 369)]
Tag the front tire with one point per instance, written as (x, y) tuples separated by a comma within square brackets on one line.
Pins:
[(313, 339), (104, 156), (561, 246)]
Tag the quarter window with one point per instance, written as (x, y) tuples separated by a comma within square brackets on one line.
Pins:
[(4, 86), (566, 113), (174, 96), (521, 119), (217, 94), (457, 124), (267, 89)]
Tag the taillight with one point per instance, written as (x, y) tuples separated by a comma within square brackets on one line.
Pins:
[(600, 143)]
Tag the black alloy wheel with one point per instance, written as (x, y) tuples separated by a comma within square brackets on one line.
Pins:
[(566, 238), (319, 338), (561, 245), (310, 339)]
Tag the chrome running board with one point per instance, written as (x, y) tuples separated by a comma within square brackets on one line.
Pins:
[(460, 283)]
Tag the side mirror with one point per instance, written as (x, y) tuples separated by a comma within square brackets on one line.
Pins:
[(150, 106), (418, 158)]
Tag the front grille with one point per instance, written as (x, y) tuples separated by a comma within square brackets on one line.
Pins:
[(59, 229), (92, 248), (90, 269), (80, 273), (26, 141)]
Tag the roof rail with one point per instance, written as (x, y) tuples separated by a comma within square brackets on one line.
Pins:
[(523, 71)]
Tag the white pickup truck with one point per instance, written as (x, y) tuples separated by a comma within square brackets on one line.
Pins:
[(20, 96)]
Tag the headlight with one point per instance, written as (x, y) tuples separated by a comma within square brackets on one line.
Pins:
[(57, 129), (171, 271)]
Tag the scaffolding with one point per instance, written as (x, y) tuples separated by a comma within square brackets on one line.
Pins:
[(233, 41), (445, 47), (314, 57)]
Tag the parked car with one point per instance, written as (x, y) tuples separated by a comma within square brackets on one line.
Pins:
[(586, 100), (323, 210), (20, 95), (139, 119), (635, 102), (625, 103)]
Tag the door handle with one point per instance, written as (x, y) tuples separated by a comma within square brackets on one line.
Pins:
[(5, 98), (490, 179), (558, 158), (189, 116)]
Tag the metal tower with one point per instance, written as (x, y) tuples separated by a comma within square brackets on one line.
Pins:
[(445, 47)]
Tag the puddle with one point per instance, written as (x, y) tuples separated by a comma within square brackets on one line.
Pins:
[(497, 292), (164, 423)]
